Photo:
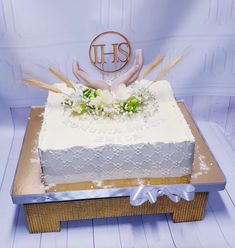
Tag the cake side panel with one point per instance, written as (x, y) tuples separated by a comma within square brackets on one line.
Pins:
[(79, 164), (52, 124)]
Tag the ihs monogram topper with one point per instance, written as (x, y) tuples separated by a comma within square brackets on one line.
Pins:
[(110, 51)]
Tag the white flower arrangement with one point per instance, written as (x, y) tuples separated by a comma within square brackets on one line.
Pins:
[(123, 100)]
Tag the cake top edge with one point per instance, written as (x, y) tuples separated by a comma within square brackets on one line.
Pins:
[(61, 130)]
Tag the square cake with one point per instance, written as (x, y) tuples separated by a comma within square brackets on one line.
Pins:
[(153, 143)]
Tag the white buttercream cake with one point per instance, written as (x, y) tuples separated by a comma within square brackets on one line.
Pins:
[(87, 148)]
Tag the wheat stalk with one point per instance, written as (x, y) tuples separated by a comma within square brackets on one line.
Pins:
[(43, 85), (166, 69), (61, 77), (157, 61)]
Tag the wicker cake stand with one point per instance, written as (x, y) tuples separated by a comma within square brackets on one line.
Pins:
[(46, 207)]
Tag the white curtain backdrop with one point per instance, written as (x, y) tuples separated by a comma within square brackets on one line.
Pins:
[(52, 33)]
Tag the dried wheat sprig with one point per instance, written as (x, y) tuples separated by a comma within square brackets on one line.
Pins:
[(166, 69), (61, 77), (43, 85), (157, 61)]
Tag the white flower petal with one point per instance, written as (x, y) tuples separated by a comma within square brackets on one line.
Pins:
[(122, 92), (106, 97), (97, 101)]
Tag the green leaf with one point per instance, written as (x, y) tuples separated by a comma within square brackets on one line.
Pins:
[(134, 110), (87, 92), (96, 93), (129, 108), (133, 102)]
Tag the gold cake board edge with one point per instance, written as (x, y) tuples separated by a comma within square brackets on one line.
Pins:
[(118, 183)]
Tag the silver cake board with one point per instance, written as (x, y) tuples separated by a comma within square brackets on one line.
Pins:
[(46, 206)]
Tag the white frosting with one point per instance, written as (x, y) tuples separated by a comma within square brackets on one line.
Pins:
[(77, 149), (165, 125)]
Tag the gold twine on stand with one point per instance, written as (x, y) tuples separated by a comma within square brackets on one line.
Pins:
[(43, 85), (61, 77), (46, 217), (157, 61)]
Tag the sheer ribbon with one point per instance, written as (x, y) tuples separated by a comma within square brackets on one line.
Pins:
[(150, 193)]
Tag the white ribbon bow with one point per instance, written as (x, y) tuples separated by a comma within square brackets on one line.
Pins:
[(150, 193)]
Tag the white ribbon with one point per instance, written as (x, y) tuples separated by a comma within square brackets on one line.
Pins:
[(150, 193)]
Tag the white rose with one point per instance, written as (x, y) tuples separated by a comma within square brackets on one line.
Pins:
[(122, 92), (96, 101), (106, 97), (77, 108)]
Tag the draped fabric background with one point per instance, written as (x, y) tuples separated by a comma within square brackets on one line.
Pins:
[(53, 32)]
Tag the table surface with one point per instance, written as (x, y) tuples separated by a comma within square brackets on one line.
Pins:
[(27, 187)]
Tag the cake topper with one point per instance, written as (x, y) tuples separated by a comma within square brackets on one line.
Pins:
[(110, 51), (103, 54)]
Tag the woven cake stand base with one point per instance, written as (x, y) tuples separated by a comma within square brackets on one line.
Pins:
[(46, 217)]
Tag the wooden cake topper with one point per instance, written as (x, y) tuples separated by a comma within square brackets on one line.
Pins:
[(110, 52)]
